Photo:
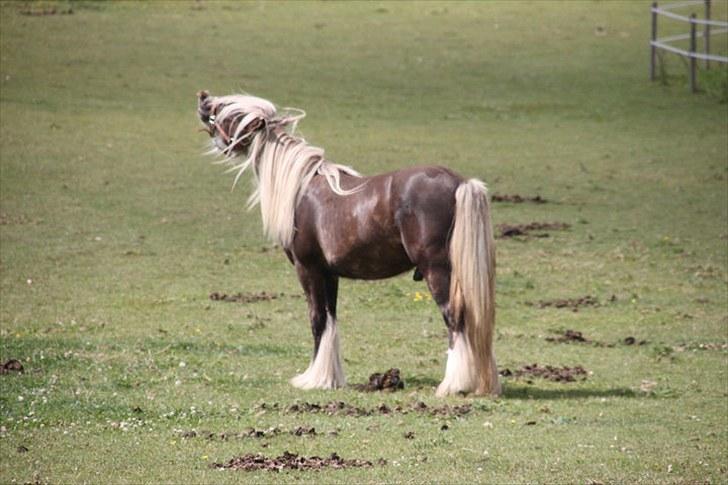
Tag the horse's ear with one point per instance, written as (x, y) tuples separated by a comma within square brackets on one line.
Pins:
[(204, 105)]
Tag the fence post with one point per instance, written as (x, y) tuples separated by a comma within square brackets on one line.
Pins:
[(693, 60), (653, 49), (706, 33)]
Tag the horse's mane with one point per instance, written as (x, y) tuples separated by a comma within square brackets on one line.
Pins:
[(282, 163)]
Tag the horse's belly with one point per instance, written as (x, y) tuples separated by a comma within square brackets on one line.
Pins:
[(380, 259)]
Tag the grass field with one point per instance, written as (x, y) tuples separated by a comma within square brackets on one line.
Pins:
[(114, 231)]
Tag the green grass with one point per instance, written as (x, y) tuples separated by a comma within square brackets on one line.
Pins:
[(114, 231)]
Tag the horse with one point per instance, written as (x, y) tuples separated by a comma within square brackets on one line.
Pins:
[(333, 222)]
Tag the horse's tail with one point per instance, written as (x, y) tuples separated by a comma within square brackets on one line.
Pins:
[(472, 294)]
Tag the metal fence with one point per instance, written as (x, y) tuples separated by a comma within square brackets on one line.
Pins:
[(666, 43)]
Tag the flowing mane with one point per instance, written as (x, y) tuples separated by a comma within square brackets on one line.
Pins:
[(282, 163)]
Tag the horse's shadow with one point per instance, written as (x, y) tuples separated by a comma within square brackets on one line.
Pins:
[(421, 382), (511, 391), (520, 391)]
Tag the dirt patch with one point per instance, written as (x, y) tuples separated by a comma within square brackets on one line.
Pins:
[(11, 365), (517, 199), (633, 341), (19, 219), (304, 431), (699, 346), (40, 12), (516, 230), (331, 408), (445, 411), (548, 372), (291, 461), (574, 336), (248, 433), (244, 297), (571, 303), (388, 381), (569, 336), (340, 408)]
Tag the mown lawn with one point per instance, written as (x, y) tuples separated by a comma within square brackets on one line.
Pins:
[(115, 230)]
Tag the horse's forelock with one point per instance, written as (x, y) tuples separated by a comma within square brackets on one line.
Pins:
[(243, 109), (240, 104)]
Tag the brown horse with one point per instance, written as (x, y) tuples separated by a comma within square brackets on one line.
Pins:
[(333, 222)]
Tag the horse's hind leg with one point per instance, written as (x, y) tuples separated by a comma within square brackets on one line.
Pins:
[(461, 371), (458, 370), (325, 370)]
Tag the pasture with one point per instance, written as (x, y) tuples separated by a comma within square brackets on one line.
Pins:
[(119, 240)]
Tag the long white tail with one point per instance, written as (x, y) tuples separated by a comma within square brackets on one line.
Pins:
[(471, 363)]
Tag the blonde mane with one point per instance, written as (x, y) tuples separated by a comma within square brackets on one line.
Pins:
[(283, 164)]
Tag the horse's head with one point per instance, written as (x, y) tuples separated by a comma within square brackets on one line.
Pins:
[(233, 121)]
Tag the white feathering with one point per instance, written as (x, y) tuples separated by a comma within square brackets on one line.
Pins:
[(325, 370)]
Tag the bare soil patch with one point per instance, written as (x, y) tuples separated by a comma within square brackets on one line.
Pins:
[(517, 199), (14, 219), (569, 336), (574, 336), (388, 381), (244, 297), (12, 365), (548, 372), (446, 410), (41, 12), (571, 303), (341, 408), (291, 461), (248, 433), (526, 230), (633, 341), (699, 346)]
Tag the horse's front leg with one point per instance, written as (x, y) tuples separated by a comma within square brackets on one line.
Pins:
[(325, 370)]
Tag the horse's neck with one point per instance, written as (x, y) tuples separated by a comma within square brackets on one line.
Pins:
[(280, 136), (316, 165)]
